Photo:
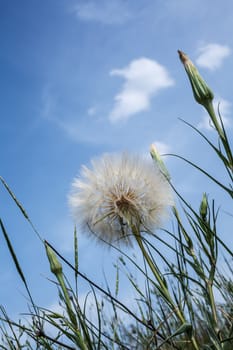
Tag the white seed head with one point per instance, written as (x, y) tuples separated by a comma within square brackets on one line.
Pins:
[(118, 192)]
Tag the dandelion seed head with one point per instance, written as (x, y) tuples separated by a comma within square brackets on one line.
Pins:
[(118, 192)]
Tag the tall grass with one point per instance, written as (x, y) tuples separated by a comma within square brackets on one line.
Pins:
[(184, 303)]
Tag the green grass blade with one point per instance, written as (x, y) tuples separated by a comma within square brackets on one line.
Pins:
[(12, 252)]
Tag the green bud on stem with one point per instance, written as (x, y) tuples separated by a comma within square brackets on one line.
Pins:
[(156, 157), (203, 207), (55, 265), (201, 91)]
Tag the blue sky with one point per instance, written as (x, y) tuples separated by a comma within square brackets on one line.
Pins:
[(79, 78)]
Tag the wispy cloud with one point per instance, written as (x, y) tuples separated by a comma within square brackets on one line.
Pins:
[(143, 79), (211, 56), (48, 103), (88, 126), (224, 107), (103, 11)]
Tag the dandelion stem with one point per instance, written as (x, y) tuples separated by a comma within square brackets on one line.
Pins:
[(162, 284), (152, 266)]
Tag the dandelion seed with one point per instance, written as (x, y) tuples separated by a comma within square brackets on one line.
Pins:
[(117, 193)]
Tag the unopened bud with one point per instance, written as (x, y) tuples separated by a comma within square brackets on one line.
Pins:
[(156, 157), (201, 91), (55, 265), (203, 207)]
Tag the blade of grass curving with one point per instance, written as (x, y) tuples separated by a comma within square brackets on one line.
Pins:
[(17, 265), (201, 227), (230, 192), (185, 328), (208, 233), (133, 261), (76, 260), (120, 304), (72, 336), (19, 205), (50, 318), (8, 339), (229, 251), (8, 322), (122, 347), (135, 285), (37, 337), (184, 282), (181, 255), (217, 150), (198, 268), (194, 212), (176, 239), (113, 304), (164, 258), (161, 286), (57, 342), (99, 324), (225, 141), (89, 326), (164, 321), (13, 255), (195, 227), (81, 315), (123, 254), (103, 334), (82, 321), (148, 292)]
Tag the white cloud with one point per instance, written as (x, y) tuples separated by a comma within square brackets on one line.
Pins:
[(143, 79), (103, 11), (224, 107), (211, 56)]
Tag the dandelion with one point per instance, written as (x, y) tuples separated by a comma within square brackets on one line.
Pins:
[(117, 193)]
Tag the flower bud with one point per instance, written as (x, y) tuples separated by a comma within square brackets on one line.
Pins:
[(156, 157), (55, 265), (203, 207), (201, 91)]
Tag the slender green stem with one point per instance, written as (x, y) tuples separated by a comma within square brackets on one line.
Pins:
[(222, 134), (213, 305), (210, 109), (154, 271), (162, 285)]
